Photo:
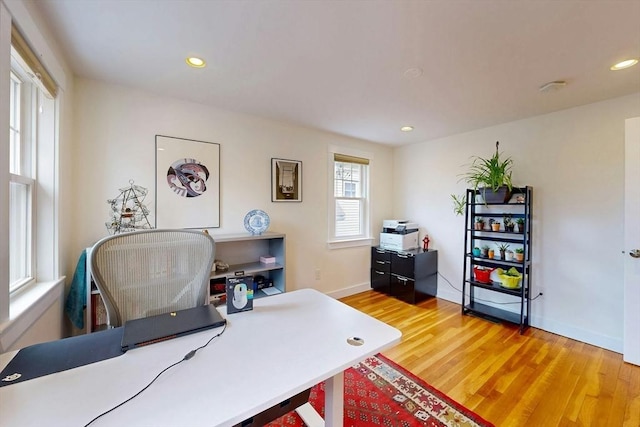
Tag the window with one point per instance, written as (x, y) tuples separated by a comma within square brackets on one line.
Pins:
[(22, 182), (349, 205), (30, 108)]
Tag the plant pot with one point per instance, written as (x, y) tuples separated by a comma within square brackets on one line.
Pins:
[(483, 274), (476, 252), (479, 225), (519, 257), (485, 252), (508, 228), (520, 228), (502, 255), (490, 253), (495, 226), (508, 256), (508, 281), (501, 196)]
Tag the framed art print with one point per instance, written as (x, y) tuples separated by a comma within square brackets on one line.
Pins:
[(286, 180), (187, 183)]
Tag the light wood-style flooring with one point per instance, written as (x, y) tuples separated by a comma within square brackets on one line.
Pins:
[(537, 379)]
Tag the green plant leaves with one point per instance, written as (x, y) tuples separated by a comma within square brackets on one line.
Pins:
[(493, 172)]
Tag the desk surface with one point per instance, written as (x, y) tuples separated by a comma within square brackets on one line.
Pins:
[(288, 343)]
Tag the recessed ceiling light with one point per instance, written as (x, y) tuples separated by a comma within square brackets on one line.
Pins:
[(195, 62), (406, 128), (624, 64)]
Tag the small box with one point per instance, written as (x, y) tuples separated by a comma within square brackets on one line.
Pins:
[(239, 294), (268, 259)]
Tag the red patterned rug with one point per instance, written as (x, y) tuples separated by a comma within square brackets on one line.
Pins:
[(378, 392)]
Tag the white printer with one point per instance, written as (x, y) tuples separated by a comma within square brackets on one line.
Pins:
[(399, 235)]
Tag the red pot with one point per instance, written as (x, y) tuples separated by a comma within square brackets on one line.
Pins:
[(483, 274)]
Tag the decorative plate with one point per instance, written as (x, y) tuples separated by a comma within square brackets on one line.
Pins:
[(256, 221)]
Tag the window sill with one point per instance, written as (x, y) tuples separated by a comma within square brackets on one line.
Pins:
[(26, 307), (352, 243)]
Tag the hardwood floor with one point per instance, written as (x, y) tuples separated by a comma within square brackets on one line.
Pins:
[(535, 379)]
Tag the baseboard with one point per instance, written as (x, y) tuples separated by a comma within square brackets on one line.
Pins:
[(452, 295), (578, 334), (351, 290)]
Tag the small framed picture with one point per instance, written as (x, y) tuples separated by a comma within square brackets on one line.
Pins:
[(286, 180)]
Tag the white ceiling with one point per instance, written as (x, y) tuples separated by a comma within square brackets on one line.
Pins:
[(340, 65)]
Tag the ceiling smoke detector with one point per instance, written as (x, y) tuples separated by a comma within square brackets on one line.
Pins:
[(552, 86), (413, 73)]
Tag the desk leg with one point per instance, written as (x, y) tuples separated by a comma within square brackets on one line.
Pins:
[(310, 416), (334, 400)]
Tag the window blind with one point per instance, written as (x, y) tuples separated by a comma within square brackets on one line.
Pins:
[(31, 59), (349, 159)]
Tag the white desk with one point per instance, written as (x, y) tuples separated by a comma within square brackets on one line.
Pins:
[(288, 343)]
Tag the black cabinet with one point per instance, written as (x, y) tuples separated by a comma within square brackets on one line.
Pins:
[(408, 275), (381, 270), (478, 267)]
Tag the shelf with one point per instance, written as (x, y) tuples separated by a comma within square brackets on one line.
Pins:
[(496, 236), (249, 269), (519, 238), (495, 313), (495, 286), (479, 260), (218, 299)]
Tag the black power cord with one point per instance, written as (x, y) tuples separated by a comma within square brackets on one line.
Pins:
[(187, 356), (484, 300)]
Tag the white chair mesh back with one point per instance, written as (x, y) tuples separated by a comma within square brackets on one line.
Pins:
[(151, 272)]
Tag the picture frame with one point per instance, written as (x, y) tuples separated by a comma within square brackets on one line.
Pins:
[(286, 180), (187, 183)]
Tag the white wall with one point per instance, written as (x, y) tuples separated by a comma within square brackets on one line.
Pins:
[(574, 160), (115, 132)]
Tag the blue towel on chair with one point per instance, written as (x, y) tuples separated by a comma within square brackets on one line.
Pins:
[(77, 297)]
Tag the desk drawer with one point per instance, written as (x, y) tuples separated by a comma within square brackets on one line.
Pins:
[(403, 265), (380, 280), (378, 254), (402, 288), (380, 265)]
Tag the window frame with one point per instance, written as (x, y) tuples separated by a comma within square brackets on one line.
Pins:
[(24, 170), (364, 238)]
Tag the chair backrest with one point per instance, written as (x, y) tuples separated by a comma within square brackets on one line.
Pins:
[(149, 272)]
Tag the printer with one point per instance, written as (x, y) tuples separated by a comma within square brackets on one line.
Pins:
[(399, 235)]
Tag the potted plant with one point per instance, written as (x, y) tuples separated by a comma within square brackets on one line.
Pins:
[(459, 203), (495, 225), (510, 279), (490, 253), (519, 254), (502, 249), (476, 251), (491, 177), (520, 222), (484, 251), (508, 223), (479, 223)]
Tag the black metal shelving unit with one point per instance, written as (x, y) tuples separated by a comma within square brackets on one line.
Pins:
[(475, 208)]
